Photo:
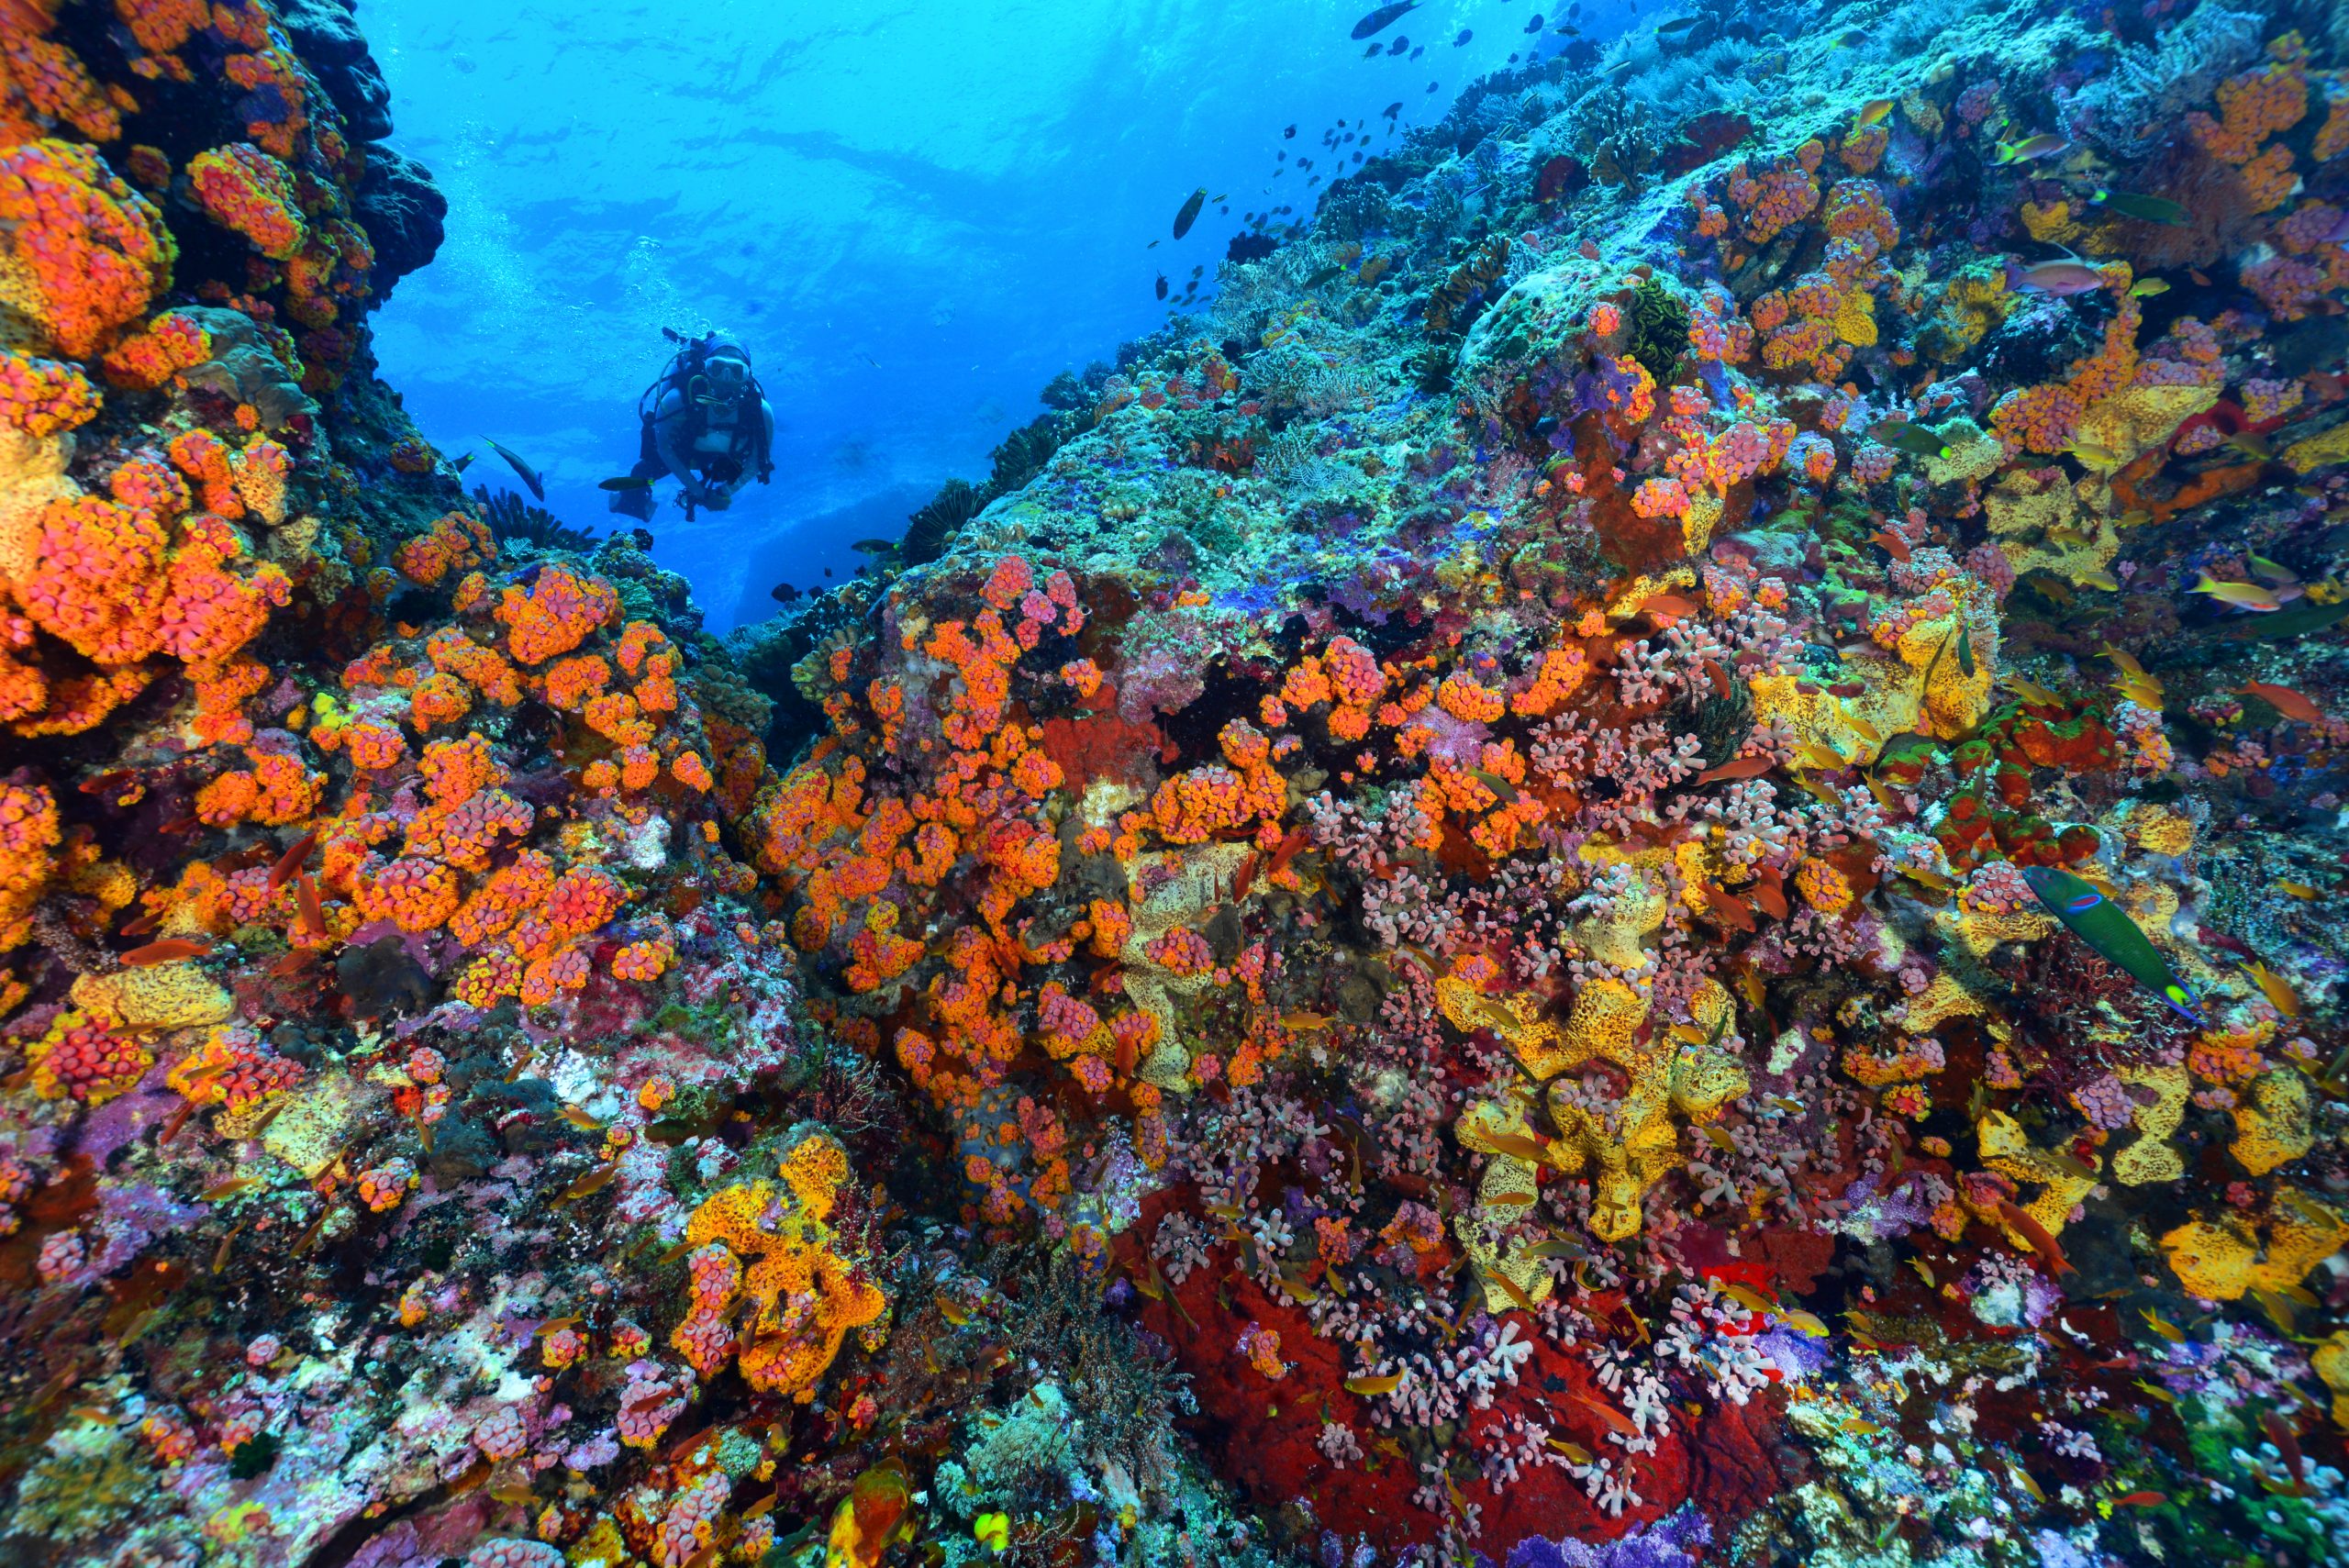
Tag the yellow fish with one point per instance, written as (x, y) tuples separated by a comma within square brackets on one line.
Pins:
[(2242, 595), (1510, 1288), (1530, 1150), (1745, 1295), (2163, 1326), (1806, 1322), (1372, 1387), (2278, 990), (1574, 1452), (1875, 112), (2146, 288), (2100, 579), (2297, 889)]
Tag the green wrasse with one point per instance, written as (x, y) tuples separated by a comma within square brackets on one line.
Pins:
[(2101, 924)]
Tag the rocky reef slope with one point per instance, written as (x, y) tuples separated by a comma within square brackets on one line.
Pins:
[(1637, 862)]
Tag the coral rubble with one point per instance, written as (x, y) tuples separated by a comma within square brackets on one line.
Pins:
[(1636, 862)]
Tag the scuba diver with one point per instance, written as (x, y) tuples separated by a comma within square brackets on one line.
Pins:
[(706, 421)]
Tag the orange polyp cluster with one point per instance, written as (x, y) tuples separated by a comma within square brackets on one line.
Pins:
[(41, 397), (1559, 675), (1775, 192), (156, 354), (435, 700), (372, 748), (485, 670), (26, 839), (2045, 417), (502, 899), (80, 252), (1193, 807), (2253, 107), (1344, 675), (52, 85), (248, 192), (809, 1293), (555, 614), (644, 961), (210, 462), (465, 834), (89, 1060), (413, 893), (985, 668), (99, 584), (1467, 701), (275, 790), (456, 542), (455, 771)]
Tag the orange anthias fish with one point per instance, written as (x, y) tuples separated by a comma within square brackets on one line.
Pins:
[(291, 861), (305, 897), (2288, 1443), (2284, 700), (1729, 911), (1614, 1420), (1245, 878), (1666, 605), (170, 949), (1741, 768), (2027, 1226), (1289, 848), (1892, 543)]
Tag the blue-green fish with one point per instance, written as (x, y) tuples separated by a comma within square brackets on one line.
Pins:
[(2101, 924)]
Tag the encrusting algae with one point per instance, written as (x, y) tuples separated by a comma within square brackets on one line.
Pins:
[(1630, 858)]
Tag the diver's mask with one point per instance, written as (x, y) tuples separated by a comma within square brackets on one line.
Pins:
[(724, 377)]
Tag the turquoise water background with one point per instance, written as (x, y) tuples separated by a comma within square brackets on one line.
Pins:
[(915, 214)]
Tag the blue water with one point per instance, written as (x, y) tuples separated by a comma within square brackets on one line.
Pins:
[(915, 214)]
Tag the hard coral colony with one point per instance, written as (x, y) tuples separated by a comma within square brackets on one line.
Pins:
[(1578, 881)]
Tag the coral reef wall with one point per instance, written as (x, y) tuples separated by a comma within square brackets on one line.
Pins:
[(1635, 862)]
